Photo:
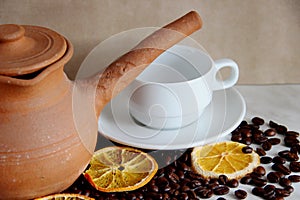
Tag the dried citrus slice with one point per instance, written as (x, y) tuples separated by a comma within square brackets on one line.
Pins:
[(116, 169), (65, 197), (225, 158)]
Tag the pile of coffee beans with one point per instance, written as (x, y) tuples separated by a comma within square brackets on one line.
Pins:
[(276, 184), (176, 180)]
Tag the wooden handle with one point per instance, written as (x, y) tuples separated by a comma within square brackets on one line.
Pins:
[(126, 68)]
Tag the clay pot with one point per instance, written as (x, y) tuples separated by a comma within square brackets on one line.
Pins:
[(49, 123)]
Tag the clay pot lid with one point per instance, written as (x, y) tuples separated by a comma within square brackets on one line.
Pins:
[(26, 49)]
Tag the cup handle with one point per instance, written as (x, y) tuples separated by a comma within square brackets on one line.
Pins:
[(233, 77)]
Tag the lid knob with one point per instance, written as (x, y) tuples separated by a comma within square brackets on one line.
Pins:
[(11, 32)]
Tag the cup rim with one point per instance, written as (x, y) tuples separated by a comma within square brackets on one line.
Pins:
[(170, 50)]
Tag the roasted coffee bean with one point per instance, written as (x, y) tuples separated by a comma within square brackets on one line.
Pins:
[(274, 141), (270, 132), (221, 198), (259, 139), (246, 179), (260, 152), (292, 156), (194, 176), (170, 169), (280, 174), (213, 185), (279, 160), (245, 132), (204, 193), (265, 160), (266, 145), (221, 190), (236, 132), (240, 194), (294, 178), (277, 198), (233, 183), (258, 191), (213, 180), (295, 166), (195, 183), (257, 133), (289, 141), (257, 121), (176, 192), (297, 147), (156, 195), (153, 188), (254, 175), (175, 186), (269, 189), (184, 196), (281, 192), (184, 182), (284, 182), (281, 168), (243, 123), (281, 129), (132, 196), (205, 181), (289, 189), (272, 124), (184, 166), (253, 127), (112, 196), (260, 170), (294, 148), (184, 158), (273, 177), (151, 182), (192, 194), (283, 153), (166, 188), (185, 188), (269, 194), (162, 182), (247, 149), (223, 179), (161, 171), (165, 196), (236, 138), (259, 182), (246, 141), (139, 195), (173, 177), (292, 133), (180, 174)]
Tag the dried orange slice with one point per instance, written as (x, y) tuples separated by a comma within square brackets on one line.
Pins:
[(117, 169), (225, 158), (65, 197)]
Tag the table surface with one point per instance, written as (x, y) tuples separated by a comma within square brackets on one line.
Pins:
[(279, 103), (273, 102)]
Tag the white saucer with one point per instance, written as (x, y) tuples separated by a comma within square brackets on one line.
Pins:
[(222, 116)]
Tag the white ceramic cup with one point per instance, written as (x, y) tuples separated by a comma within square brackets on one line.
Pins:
[(174, 90)]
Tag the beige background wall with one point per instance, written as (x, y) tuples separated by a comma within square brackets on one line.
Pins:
[(261, 35)]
